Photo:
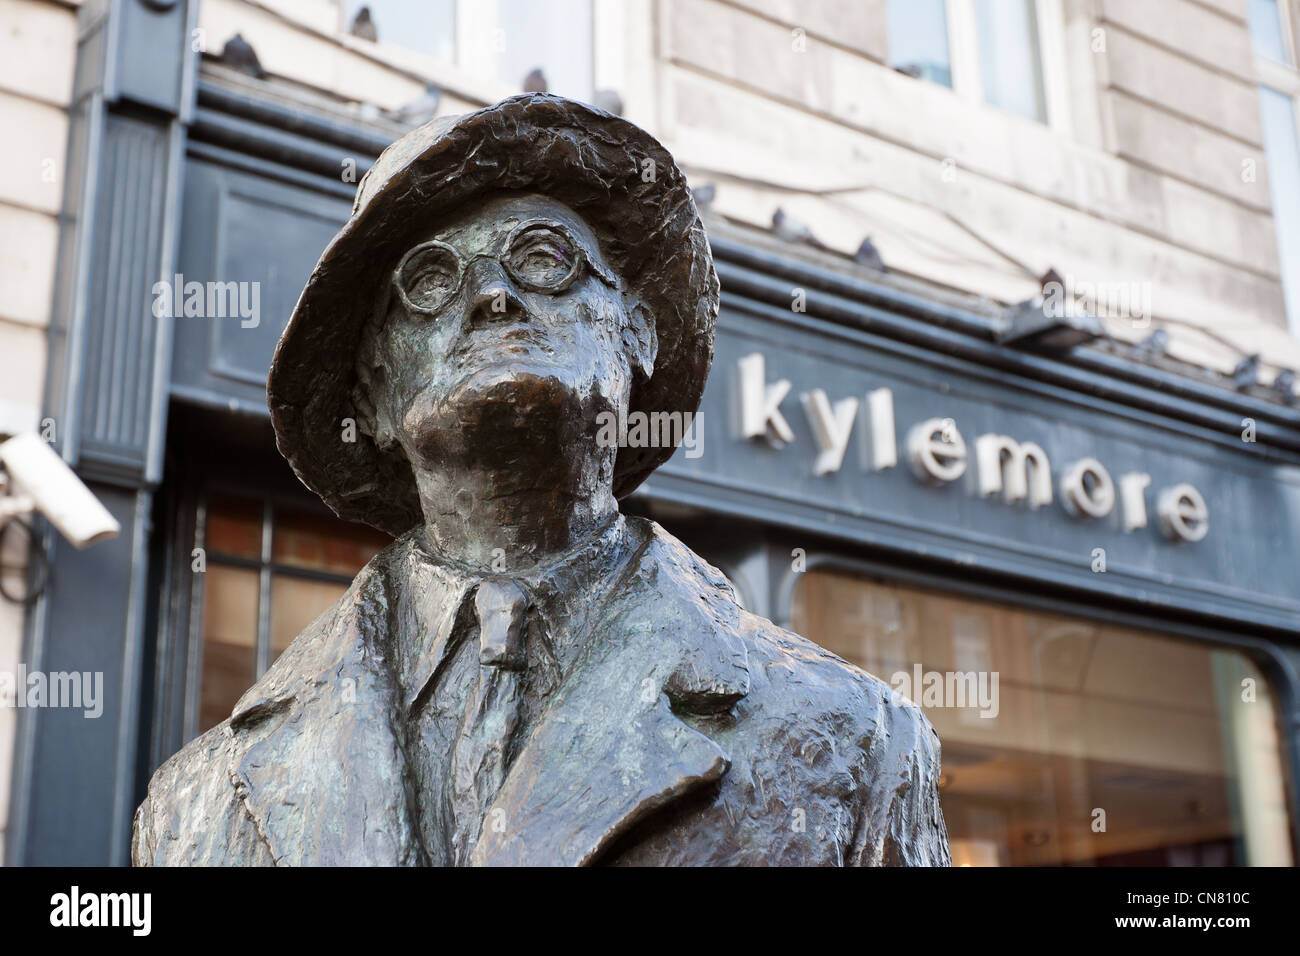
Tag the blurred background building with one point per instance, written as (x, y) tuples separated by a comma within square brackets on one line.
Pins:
[(941, 225)]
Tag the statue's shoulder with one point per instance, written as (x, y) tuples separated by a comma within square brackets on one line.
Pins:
[(824, 734), (192, 814), (826, 726), (197, 760), (800, 672), (792, 677), (789, 660)]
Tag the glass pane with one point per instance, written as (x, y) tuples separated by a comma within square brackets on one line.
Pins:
[(324, 543), (1282, 148), (554, 37), (295, 603), (1010, 69), (229, 641), (234, 527), (427, 26), (1067, 742), (918, 40), (1266, 30)]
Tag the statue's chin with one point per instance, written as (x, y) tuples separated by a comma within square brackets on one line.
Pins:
[(503, 414)]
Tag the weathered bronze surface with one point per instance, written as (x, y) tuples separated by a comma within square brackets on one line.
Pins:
[(526, 676)]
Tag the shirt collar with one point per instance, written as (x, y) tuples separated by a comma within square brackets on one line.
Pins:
[(435, 592)]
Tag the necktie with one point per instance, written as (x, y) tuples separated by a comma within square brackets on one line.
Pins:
[(482, 751)]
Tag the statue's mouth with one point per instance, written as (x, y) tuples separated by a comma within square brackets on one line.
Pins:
[(488, 345), (505, 374), (507, 360)]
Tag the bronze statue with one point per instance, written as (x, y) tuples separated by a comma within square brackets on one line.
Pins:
[(527, 676)]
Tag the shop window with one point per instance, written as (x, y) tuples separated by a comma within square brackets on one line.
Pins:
[(1069, 742), (1273, 26), (270, 571), (990, 51)]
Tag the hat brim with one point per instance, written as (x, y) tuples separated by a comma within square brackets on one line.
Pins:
[(619, 178)]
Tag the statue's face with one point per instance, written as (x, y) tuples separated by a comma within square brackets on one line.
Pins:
[(505, 326)]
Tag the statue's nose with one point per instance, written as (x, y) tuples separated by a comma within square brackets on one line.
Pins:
[(495, 298)]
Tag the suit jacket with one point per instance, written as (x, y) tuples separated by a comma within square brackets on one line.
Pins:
[(688, 732)]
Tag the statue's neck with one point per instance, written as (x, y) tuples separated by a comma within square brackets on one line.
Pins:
[(503, 522)]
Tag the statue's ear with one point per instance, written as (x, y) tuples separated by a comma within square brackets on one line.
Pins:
[(385, 435), (640, 337), (369, 394), (363, 405)]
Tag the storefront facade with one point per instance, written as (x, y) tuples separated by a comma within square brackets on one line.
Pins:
[(1078, 574), (1083, 566)]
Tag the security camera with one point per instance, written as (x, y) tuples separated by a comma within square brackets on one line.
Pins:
[(39, 479)]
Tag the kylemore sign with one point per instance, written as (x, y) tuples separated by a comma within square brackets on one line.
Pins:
[(937, 453)]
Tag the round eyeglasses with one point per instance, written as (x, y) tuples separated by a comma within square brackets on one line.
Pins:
[(539, 255)]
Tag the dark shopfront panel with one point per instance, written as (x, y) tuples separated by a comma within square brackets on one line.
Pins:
[(1120, 689)]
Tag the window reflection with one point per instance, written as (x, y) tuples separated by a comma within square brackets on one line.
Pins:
[(1266, 30), (229, 641), (234, 527), (310, 541), (554, 38), (918, 39), (1106, 746), (1010, 70), (426, 26), (1282, 147), (296, 603)]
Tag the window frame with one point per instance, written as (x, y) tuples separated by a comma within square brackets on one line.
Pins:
[(1284, 79), (963, 55)]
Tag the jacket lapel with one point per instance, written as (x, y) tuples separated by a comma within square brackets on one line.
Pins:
[(611, 749), (313, 753)]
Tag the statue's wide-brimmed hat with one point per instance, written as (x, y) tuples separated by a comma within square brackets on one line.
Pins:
[(613, 173)]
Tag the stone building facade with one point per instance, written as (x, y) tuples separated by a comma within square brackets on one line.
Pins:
[(37, 57)]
